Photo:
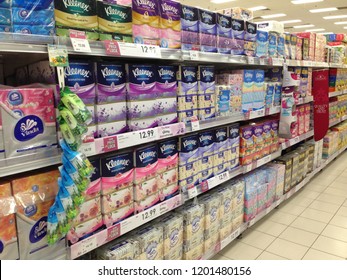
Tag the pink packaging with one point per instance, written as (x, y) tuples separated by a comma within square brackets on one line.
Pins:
[(167, 155), (28, 120), (146, 33), (88, 210), (118, 215), (299, 49), (146, 203), (78, 231), (167, 178), (307, 117), (117, 199), (147, 188), (146, 163), (301, 119), (94, 188)]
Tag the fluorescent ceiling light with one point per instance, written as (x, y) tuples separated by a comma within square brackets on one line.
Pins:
[(298, 2), (258, 8), (291, 21), (221, 1), (335, 17), (345, 27), (304, 26), (323, 10), (315, 30), (274, 16), (341, 22)]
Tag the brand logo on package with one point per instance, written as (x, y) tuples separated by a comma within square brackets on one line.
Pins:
[(69, 71), (150, 154), (167, 147), (146, 3), (189, 73), (189, 143), (206, 16), (151, 250), (114, 12), (187, 12), (227, 204), (213, 214), (204, 138), (223, 21), (39, 230), (117, 163), (168, 8), (221, 134), (142, 72), (236, 24), (174, 237), (28, 128), (106, 72), (196, 224), (207, 73), (77, 4), (166, 72), (15, 98)]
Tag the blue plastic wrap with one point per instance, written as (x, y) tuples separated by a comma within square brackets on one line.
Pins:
[(32, 17)]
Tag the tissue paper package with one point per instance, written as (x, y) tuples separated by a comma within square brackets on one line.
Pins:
[(223, 33), (79, 14), (190, 28), (206, 151), (206, 92), (234, 145), (114, 22), (119, 250), (150, 240), (145, 16), (207, 31)]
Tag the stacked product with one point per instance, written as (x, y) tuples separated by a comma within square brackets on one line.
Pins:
[(206, 92), (207, 31), (342, 130), (304, 118), (190, 28), (271, 39), (273, 87), (330, 144), (337, 79), (223, 33)]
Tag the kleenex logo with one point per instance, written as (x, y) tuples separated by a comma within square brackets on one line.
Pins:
[(259, 76), (78, 4), (189, 143), (207, 73), (205, 138), (221, 134), (114, 12), (111, 72), (145, 155), (169, 8), (251, 27), (146, 2), (247, 133), (206, 16), (77, 71), (166, 147), (166, 72), (142, 72), (248, 75), (189, 73), (114, 163), (188, 12), (223, 20), (236, 24)]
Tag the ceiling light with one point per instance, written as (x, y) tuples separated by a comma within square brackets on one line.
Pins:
[(298, 2), (315, 30), (274, 16), (341, 22), (335, 17), (221, 1), (345, 27), (325, 33), (258, 8), (323, 10), (304, 26), (291, 21)]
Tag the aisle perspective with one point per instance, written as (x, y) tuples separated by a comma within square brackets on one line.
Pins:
[(169, 157)]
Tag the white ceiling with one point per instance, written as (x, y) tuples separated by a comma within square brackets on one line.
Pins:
[(292, 11)]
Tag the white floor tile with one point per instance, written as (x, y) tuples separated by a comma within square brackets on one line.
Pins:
[(315, 187), (269, 227), (345, 203), (323, 179), (339, 221), (291, 209), (308, 225), (317, 215), (331, 246), (324, 206), (335, 191), (342, 211), (240, 251), (335, 232), (220, 258), (340, 181), (269, 256), (309, 194), (331, 171), (299, 236), (331, 198), (287, 249), (313, 254), (343, 175), (258, 239), (282, 218), (301, 201)]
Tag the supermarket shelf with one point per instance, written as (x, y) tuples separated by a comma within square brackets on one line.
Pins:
[(337, 93), (296, 140), (29, 162), (331, 124), (82, 247), (305, 100), (288, 195)]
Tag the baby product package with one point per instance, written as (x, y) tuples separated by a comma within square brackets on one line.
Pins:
[(223, 33), (189, 161), (114, 22), (127, 249), (8, 232), (111, 98), (151, 242), (173, 235), (80, 15), (206, 151), (207, 31), (28, 120), (145, 16), (190, 28), (35, 194), (169, 24)]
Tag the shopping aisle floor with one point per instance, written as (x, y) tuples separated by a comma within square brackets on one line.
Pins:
[(312, 225)]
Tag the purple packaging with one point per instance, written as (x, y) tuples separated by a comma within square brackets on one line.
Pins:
[(223, 33), (187, 80), (79, 77), (206, 151), (207, 31), (206, 79), (142, 82), (237, 47), (170, 24), (237, 29), (250, 31), (166, 84), (111, 82), (189, 28)]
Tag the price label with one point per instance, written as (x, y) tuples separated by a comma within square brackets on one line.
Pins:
[(192, 192), (88, 149), (263, 160), (257, 114), (149, 51), (79, 41), (147, 134), (194, 55), (262, 61), (112, 48), (276, 62), (110, 144), (248, 168), (113, 232), (87, 245), (148, 215), (250, 60), (294, 141), (195, 123), (58, 56), (137, 137)]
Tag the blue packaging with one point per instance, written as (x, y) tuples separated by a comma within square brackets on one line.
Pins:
[(5, 16), (280, 46), (270, 93), (223, 25), (33, 4), (5, 28), (238, 29), (262, 49), (206, 80), (207, 22), (34, 29), (30, 17), (5, 3), (146, 156), (273, 39), (189, 18), (278, 94), (250, 31)]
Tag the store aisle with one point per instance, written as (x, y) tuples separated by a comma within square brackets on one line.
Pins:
[(312, 225)]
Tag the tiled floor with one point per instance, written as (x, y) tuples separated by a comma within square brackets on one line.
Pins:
[(312, 225)]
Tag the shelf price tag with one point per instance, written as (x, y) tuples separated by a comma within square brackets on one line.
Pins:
[(88, 148), (262, 61), (148, 215), (250, 60), (192, 192), (137, 137), (257, 114), (248, 168), (263, 160), (195, 123), (58, 56), (294, 141), (87, 245), (149, 51), (112, 48), (79, 41), (194, 55)]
